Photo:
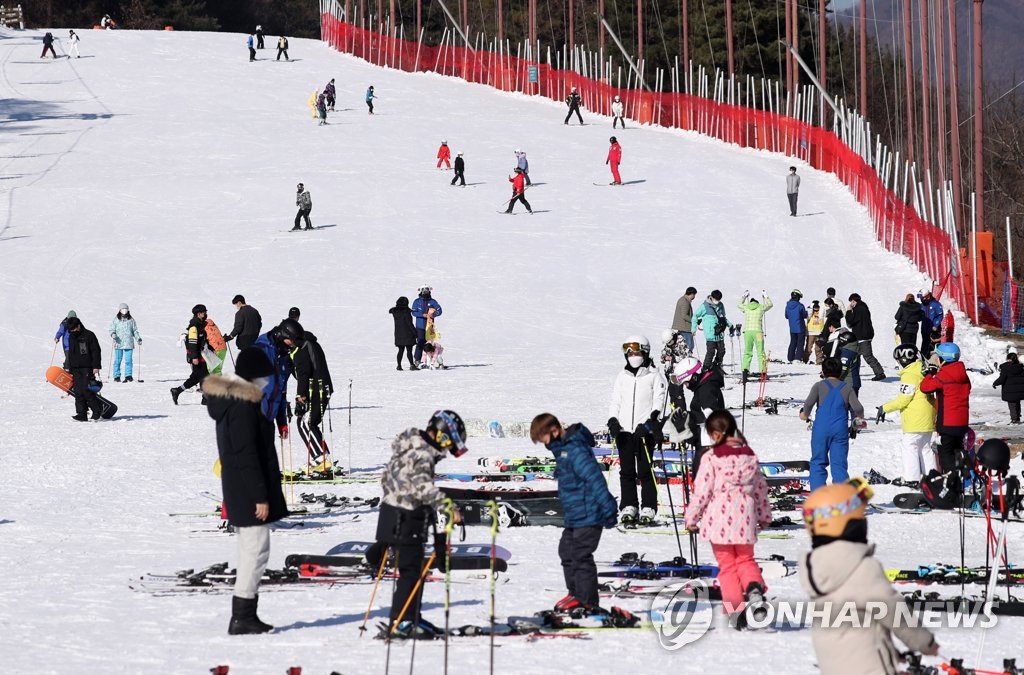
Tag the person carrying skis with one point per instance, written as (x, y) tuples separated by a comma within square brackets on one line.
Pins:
[(617, 113), (1011, 377), (321, 111), (682, 320), (858, 319), (908, 318), (917, 415), (753, 330), (259, 37), (282, 48), (405, 331), (218, 344), (460, 170), (408, 508), (63, 335), (252, 50), (614, 159), (195, 341), (946, 377), (277, 344), (73, 40), (421, 308), (729, 504), (518, 191), (124, 332), (840, 570), (931, 323), (248, 323), (830, 435), (250, 478), (444, 153), (586, 502), (329, 95), (369, 98), (523, 164), (796, 314), (711, 317), (85, 360), (48, 46), (313, 391), (303, 199), (638, 402), (573, 101)]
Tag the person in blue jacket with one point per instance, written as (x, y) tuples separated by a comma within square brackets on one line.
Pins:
[(420, 306), (369, 99), (796, 314), (277, 344), (252, 49), (711, 316), (63, 334), (588, 506), (931, 325)]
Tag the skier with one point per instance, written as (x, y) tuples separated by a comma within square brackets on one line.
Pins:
[(753, 330), (48, 46), (421, 306), (840, 570), (908, 317), (217, 343), (523, 164), (405, 332), (369, 98), (252, 51), (815, 327), (711, 316), (321, 111), (460, 170), (295, 313), (858, 319), (329, 95), (277, 344), (588, 506), (729, 504), (917, 415), (303, 199), (84, 363), (931, 324), (796, 314), (407, 510), (62, 334), (1011, 377), (573, 101), (107, 23), (73, 40), (444, 153), (707, 398), (124, 332), (792, 189), (259, 37), (830, 435), (617, 113), (250, 478), (638, 401), (841, 344), (282, 48), (614, 158), (195, 341), (518, 191), (946, 377), (682, 320), (248, 323), (313, 391)]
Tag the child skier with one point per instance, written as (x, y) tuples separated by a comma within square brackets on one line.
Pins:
[(523, 164), (444, 154), (815, 326), (1011, 377), (405, 331), (614, 159), (587, 504), (321, 108), (707, 398), (329, 95), (518, 191), (946, 377), (369, 98), (729, 504), (830, 435), (125, 333), (617, 117), (917, 414), (840, 570), (753, 330), (63, 334)]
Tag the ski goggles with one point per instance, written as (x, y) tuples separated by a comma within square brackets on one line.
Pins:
[(859, 500), (628, 347)]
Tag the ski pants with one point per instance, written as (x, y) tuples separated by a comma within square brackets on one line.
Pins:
[(369, 104), (829, 448), (615, 172), (754, 340), (253, 554), (199, 373), (421, 339), (867, 355), (407, 350), (576, 551), (797, 342), (74, 50), (48, 48), (792, 203), (618, 119), (908, 337), (259, 42), (715, 355), (459, 176), (918, 457), (404, 531), (521, 197), (813, 348), (737, 569), (129, 370), (574, 109), (926, 340), (282, 51), (303, 214), (635, 463), (447, 164), (1014, 407), (85, 399), (312, 435), (252, 54)]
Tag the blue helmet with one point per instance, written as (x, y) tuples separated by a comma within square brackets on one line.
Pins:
[(948, 352)]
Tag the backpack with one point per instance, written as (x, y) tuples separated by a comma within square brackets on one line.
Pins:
[(942, 491)]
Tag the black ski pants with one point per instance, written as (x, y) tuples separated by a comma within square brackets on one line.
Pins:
[(792, 203), (1014, 407), (868, 356), (715, 355), (951, 446), (405, 532), (616, 120), (908, 337), (634, 464), (310, 427), (259, 42), (48, 48), (85, 399), (407, 350), (521, 197), (459, 175), (576, 550), (199, 373), (575, 109), (303, 214), (252, 54), (282, 51)]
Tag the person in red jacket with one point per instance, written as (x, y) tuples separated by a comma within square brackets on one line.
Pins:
[(946, 377), (518, 189), (443, 155), (614, 158)]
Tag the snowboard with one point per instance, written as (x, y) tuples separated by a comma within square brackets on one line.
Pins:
[(63, 380)]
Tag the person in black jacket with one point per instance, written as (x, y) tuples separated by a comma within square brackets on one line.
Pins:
[(312, 393), (707, 397), (250, 477), (84, 363), (248, 323), (405, 331), (908, 318), (48, 46), (195, 342), (573, 101), (1011, 377), (460, 170), (858, 319)]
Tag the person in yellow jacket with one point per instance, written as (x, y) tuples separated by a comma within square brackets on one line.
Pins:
[(753, 329), (815, 327), (311, 102), (917, 413)]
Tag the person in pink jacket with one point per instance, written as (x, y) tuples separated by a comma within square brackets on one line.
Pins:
[(444, 153), (614, 159), (730, 502)]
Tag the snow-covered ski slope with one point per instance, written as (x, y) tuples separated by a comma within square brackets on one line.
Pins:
[(159, 170)]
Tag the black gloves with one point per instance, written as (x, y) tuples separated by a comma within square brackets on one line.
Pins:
[(995, 386), (931, 369), (879, 415), (614, 428), (655, 416), (679, 419), (229, 337)]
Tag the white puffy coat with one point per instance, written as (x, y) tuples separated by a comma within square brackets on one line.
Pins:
[(635, 397), (617, 108)]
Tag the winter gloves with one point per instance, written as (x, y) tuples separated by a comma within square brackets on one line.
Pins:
[(679, 419), (614, 427)]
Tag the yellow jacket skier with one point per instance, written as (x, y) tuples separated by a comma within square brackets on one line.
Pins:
[(753, 329), (917, 413)]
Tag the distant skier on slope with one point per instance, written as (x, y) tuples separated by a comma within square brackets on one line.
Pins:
[(617, 113), (518, 191), (259, 37), (195, 341), (305, 203), (84, 363), (282, 48), (614, 158), (444, 154), (460, 170), (248, 323), (573, 101), (523, 164), (329, 95), (423, 308), (369, 98), (48, 46), (252, 49), (62, 334), (321, 111), (73, 40)]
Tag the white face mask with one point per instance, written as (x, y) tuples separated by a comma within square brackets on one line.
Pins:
[(261, 382), (635, 361)]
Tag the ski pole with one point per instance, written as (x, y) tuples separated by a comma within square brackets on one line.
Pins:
[(671, 506), (449, 527), (415, 589), (110, 367), (350, 426), (232, 356), (54, 354), (373, 593), (493, 506), (743, 408)]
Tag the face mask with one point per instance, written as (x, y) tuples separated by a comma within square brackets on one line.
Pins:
[(261, 382), (714, 302), (635, 361), (123, 312)]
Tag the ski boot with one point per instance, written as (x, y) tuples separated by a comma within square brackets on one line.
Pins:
[(738, 621), (129, 379), (875, 478), (627, 517), (647, 516), (754, 598), (567, 604), (746, 376), (175, 393), (117, 379)]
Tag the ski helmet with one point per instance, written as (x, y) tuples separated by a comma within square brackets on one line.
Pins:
[(685, 369), (616, 98), (636, 343), (994, 455), (796, 294), (846, 336), (667, 335), (948, 352), (905, 354), (198, 309), (290, 329), (124, 306), (424, 291), (447, 432), (829, 510), (613, 140)]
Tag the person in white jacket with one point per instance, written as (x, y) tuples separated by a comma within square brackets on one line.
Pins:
[(638, 403), (73, 40), (617, 113)]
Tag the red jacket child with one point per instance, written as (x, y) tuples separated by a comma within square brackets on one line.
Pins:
[(443, 155), (614, 158), (953, 389), (518, 183)]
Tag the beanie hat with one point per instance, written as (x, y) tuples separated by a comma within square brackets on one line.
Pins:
[(252, 363), (72, 314), (197, 309), (123, 306)]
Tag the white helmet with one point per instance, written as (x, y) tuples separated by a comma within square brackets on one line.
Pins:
[(636, 343), (517, 151), (667, 335), (685, 369), (616, 98)]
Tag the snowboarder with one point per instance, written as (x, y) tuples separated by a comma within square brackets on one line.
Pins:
[(682, 320), (796, 314), (73, 40), (248, 323), (329, 95), (617, 113), (217, 343), (1011, 377), (62, 334), (815, 327), (518, 191), (729, 504), (252, 51), (588, 506), (460, 170), (321, 111), (277, 344), (195, 342), (753, 330), (523, 164), (917, 415), (304, 201), (908, 317), (573, 101), (931, 324), (711, 317), (444, 154), (48, 46), (282, 48), (250, 478), (638, 401), (313, 391), (125, 333), (259, 37), (369, 98), (840, 570), (792, 189), (614, 158), (84, 363), (946, 377), (830, 435), (407, 510), (405, 331), (858, 319), (421, 311)]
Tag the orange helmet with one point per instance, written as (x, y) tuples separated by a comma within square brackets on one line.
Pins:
[(829, 509)]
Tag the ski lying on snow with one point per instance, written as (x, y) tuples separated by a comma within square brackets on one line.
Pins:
[(359, 548)]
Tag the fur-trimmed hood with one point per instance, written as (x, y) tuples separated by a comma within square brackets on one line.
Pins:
[(224, 391)]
